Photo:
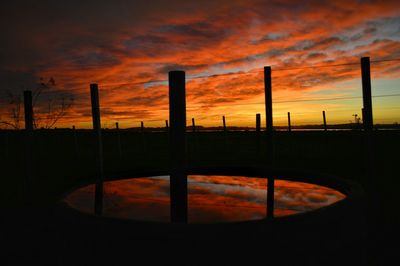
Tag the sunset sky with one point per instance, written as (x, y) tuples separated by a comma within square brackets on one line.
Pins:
[(128, 47)]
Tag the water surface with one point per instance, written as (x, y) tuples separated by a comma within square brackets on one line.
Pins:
[(211, 199)]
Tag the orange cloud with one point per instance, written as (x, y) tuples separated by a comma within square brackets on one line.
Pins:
[(128, 49)]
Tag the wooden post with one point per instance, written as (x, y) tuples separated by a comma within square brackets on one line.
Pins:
[(98, 198), (269, 131), (288, 119), (28, 110), (324, 117), (143, 139), (258, 123), (118, 140), (258, 131), (195, 141), (224, 123), (268, 113), (75, 142), (177, 118), (373, 187), (268, 100), (366, 89), (225, 134), (362, 119), (167, 132), (193, 125)]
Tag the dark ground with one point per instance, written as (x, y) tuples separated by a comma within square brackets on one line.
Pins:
[(37, 235)]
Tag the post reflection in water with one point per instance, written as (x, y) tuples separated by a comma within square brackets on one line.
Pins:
[(211, 199)]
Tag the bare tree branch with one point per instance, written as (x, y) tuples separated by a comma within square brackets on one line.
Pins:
[(54, 111)]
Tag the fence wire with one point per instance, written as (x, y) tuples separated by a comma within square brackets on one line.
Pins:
[(304, 91)]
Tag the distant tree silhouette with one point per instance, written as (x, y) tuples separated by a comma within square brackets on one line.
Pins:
[(51, 109)]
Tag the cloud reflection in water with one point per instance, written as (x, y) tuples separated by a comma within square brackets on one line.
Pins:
[(211, 198)]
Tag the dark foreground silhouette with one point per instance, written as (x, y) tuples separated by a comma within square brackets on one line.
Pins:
[(63, 236), (44, 238)]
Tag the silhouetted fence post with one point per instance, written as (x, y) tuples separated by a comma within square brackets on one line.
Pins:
[(269, 133), (177, 148), (366, 88), (258, 123), (28, 110), (268, 100), (268, 113), (224, 123), (75, 142), (144, 144), (193, 125), (98, 198), (225, 133), (118, 140), (167, 131), (258, 131), (362, 116), (289, 124), (373, 188), (325, 139)]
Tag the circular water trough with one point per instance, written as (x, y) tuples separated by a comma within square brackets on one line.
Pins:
[(231, 228)]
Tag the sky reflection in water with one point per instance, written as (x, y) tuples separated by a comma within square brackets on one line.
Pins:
[(211, 198)]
